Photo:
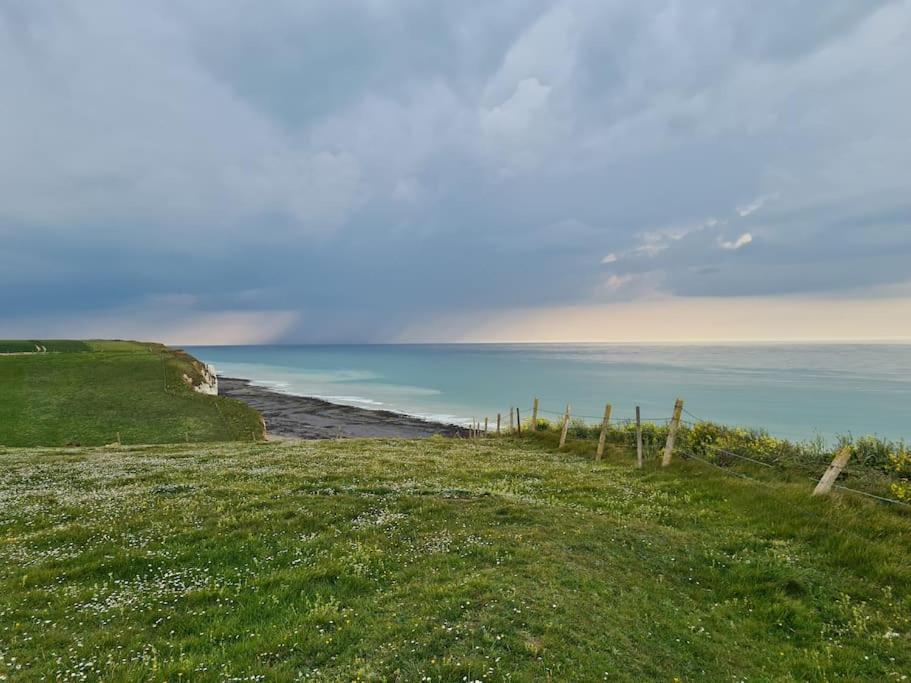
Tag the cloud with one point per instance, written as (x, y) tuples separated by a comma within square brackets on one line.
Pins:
[(618, 281), (137, 128), (745, 239), (366, 165), (170, 325), (755, 205)]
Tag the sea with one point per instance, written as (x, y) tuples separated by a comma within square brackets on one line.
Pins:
[(793, 391)]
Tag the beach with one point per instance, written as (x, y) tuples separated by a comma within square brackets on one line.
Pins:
[(302, 417)]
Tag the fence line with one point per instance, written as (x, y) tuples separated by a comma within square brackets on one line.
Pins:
[(818, 521), (737, 455), (873, 495), (832, 471), (759, 481)]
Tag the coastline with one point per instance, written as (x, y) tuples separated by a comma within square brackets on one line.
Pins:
[(303, 417)]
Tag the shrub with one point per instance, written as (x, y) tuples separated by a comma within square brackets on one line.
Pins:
[(543, 425), (578, 429), (873, 451), (900, 463)]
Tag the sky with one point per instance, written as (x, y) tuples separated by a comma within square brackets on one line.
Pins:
[(195, 171)]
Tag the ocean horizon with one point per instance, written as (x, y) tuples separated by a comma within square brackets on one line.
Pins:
[(793, 390)]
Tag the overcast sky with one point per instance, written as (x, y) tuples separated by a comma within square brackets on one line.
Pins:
[(199, 171)]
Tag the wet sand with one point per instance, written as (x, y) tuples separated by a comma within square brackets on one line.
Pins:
[(312, 418)]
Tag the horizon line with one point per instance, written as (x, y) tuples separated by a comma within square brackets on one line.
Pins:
[(656, 342)]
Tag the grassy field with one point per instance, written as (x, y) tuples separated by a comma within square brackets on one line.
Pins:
[(437, 560), (89, 392), (42, 345)]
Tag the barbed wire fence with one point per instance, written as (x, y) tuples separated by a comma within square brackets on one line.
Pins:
[(567, 423)]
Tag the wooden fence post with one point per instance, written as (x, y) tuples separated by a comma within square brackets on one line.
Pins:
[(518, 423), (832, 471), (604, 424), (534, 415), (565, 426), (485, 425), (638, 439), (672, 433), (498, 424), (511, 415)]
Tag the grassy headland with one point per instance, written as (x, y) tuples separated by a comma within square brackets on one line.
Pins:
[(89, 392), (438, 560)]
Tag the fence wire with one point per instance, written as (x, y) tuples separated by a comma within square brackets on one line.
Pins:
[(726, 470), (812, 473)]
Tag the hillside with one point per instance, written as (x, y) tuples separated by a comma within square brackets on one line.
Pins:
[(92, 393), (438, 560)]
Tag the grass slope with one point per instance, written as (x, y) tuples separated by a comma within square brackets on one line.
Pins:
[(50, 345), (437, 560), (127, 388)]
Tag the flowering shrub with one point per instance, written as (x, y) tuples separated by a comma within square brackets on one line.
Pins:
[(542, 425), (900, 463), (872, 451), (711, 440)]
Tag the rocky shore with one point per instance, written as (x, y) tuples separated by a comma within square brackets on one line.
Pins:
[(312, 418)]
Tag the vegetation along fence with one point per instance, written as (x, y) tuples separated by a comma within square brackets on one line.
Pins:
[(880, 469)]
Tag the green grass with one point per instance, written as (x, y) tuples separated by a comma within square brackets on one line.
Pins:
[(134, 390), (440, 560), (51, 345), (871, 469)]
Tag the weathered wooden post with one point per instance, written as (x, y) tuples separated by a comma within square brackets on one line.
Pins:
[(604, 424), (832, 471), (485, 425), (534, 415), (638, 439), (672, 433), (511, 415), (518, 423), (565, 426)]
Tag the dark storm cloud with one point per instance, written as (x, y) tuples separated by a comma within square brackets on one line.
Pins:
[(378, 161)]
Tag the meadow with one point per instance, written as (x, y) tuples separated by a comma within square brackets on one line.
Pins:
[(96, 392), (43, 346), (450, 560)]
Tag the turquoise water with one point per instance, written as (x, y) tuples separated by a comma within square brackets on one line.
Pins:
[(793, 391)]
